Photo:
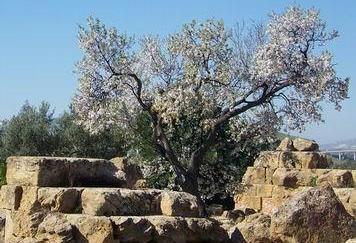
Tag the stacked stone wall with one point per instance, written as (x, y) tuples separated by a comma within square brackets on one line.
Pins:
[(278, 175)]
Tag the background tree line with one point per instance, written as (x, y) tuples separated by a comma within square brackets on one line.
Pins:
[(35, 131)]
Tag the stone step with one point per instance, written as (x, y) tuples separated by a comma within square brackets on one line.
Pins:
[(293, 177), (292, 159), (99, 201), (267, 198), (64, 172), (57, 227)]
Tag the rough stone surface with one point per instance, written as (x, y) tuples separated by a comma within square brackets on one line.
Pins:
[(286, 145), (313, 216), (64, 200), (64, 172), (255, 229), (120, 201), (10, 197), (337, 178), (301, 144), (179, 204), (89, 228), (162, 229)]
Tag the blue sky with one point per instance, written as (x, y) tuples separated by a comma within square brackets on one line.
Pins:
[(38, 45)]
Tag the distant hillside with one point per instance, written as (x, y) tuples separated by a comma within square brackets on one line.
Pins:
[(340, 145)]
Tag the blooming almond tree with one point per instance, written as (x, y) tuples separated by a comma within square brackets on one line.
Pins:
[(212, 75)]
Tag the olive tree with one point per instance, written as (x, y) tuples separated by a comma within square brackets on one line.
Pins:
[(211, 74)]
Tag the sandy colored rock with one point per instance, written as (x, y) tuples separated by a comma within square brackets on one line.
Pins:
[(268, 159), (337, 178), (286, 145), (64, 200), (10, 197), (248, 201), (120, 201), (132, 173), (133, 229), (313, 216), (255, 229), (285, 177), (179, 204), (91, 229), (254, 175), (56, 228), (64, 172), (301, 144), (264, 190)]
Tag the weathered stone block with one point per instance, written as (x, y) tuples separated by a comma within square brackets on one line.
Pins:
[(269, 175), (264, 190), (64, 200), (64, 172), (301, 144), (306, 160), (269, 205), (10, 197), (248, 201), (91, 229), (337, 178), (344, 194), (120, 201), (286, 145), (254, 175), (281, 192), (179, 204), (268, 159), (285, 177), (162, 229)]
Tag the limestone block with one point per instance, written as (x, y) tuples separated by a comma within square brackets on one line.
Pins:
[(312, 216), (120, 201), (305, 160), (255, 228), (133, 174), (10, 197), (285, 177), (353, 196), (269, 175), (344, 194), (7, 225), (337, 178), (268, 159), (133, 229), (162, 229), (305, 145), (286, 145), (56, 228), (269, 205), (179, 204), (248, 201), (64, 200), (264, 190), (351, 208), (64, 172), (281, 192), (254, 175), (91, 229), (25, 223)]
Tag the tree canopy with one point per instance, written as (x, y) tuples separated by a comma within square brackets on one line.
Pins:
[(260, 77)]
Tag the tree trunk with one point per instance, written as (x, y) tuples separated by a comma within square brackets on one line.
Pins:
[(189, 184)]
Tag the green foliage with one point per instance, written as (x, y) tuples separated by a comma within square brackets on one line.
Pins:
[(72, 140), (29, 133), (224, 164), (35, 132)]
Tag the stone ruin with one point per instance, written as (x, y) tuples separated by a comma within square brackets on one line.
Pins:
[(295, 167), (72, 200), (95, 200)]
